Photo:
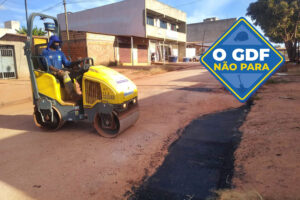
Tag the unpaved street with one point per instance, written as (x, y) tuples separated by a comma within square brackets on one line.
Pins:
[(268, 159), (76, 163)]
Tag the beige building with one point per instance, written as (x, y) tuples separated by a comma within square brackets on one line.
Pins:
[(11, 59), (9, 27), (13, 62), (144, 29)]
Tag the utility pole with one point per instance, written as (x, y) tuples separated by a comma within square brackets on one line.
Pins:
[(26, 13), (132, 57), (66, 20), (202, 49)]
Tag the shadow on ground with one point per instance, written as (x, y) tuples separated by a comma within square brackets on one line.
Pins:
[(200, 161)]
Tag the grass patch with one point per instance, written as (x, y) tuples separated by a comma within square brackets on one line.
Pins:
[(156, 70), (295, 70), (150, 70), (256, 97), (237, 195), (276, 81), (163, 69)]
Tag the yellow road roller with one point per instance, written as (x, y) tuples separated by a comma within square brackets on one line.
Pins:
[(109, 99)]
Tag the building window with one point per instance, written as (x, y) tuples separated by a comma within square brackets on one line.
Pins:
[(173, 27), (163, 24), (150, 20)]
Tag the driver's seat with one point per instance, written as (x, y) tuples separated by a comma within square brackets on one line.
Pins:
[(47, 83), (38, 60), (49, 86)]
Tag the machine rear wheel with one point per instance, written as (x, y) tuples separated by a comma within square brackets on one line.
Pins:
[(112, 124), (48, 125)]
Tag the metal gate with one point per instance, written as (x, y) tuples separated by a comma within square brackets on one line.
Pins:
[(7, 62)]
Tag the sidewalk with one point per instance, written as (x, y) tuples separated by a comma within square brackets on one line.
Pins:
[(267, 160), (14, 91)]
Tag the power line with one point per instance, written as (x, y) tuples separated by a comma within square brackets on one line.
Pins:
[(80, 1), (52, 7), (61, 4)]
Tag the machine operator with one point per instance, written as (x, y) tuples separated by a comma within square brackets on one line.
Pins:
[(56, 59)]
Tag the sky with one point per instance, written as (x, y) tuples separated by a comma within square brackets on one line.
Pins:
[(196, 10)]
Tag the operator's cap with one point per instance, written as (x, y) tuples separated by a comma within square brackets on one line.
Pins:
[(52, 39)]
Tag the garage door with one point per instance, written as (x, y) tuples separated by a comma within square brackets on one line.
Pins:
[(125, 53), (7, 62), (142, 53)]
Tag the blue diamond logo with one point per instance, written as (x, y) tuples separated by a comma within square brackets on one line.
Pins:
[(242, 59)]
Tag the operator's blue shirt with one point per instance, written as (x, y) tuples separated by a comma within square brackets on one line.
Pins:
[(55, 58)]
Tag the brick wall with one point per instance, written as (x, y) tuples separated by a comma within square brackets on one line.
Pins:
[(102, 48), (73, 35), (76, 46), (75, 49)]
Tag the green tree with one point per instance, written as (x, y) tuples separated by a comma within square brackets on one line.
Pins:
[(279, 19), (35, 31), (22, 30)]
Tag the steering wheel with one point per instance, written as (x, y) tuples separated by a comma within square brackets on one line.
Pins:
[(84, 64), (87, 63)]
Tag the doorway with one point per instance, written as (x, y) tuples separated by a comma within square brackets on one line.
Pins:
[(7, 62)]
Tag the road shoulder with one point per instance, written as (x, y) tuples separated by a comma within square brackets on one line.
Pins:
[(267, 161)]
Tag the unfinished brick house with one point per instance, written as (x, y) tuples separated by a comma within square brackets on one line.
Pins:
[(100, 47)]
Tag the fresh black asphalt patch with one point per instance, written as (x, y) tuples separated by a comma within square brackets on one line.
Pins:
[(199, 162)]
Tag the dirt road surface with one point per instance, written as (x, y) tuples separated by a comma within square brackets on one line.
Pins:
[(268, 159), (76, 163)]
